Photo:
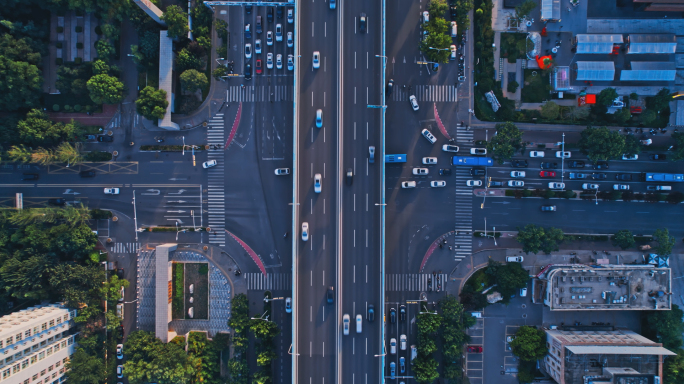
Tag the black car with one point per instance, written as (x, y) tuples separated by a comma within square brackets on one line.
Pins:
[(371, 313), (445, 172), (599, 176), (548, 208), (452, 12), (269, 15), (623, 176), (120, 274), (601, 165), (87, 173), (57, 202), (477, 171), (279, 12), (362, 23), (390, 86), (105, 139), (496, 184), (402, 312), (29, 176), (248, 9), (248, 71), (350, 176), (393, 315), (330, 295), (576, 164), (549, 165), (519, 163), (658, 156), (577, 176)]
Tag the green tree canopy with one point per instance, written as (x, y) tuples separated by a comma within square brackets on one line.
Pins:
[(425, 368), (534, 239), (21, 84), (529, 344), (666, 327), (37, 130), (678, 150), (674, 368), (18, 49), (602, 144), (437, 8), (152, 103), (150, 360), (192, 80), (509, 277), (523, 10), (665, 241), (506, 142), (188, 60), (105, 50), (660, 101), (177, 21), (85, 368), (105, 89), (550, 110), (623, 239), (606, 97), (632, 145)]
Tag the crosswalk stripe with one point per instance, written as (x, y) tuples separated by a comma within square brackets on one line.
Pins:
[(413, 282), (216, 218), (273, 281), (125, 247), (260, 93)]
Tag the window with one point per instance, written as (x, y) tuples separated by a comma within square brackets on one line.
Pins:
[(49, 351), (71, 340), (34, 358), (26, 381), (35, 377), (56, 347), (9, 340), (52, 323), (16, 368), (24, 364), (59, 320), (6, 373), (42, 372), (43, 343), (66, 317), (18, 336), (7, 360), (50, 368), (64, 343), (41, 355), (61, 371), (43, 327), (35, 330), (57, 364), (27, 351), (2, 344)]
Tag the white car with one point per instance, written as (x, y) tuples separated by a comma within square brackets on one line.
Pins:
[(290, 40), (420, 171), (279, 61), (408, 184), (553, 185), (478, 151), (402, 342), (518, 174), (288, 305), (563, 155), (438, 183), (514, 259), (452, 48), (248, 51), (621, 187), (290, 62), (290, 15), (209, 164), (317, 183), (426, 160), (119, 351), (428, 135), (345, 324), (393, 346), (257, 46), (632, 157), (279, 32), (590, 186), (119, 371), (269, 60), (359, 323), (536, 154), (523, 292), (319, 118), (282, 171), (316, 59), (426, 16), (449, 148), (414, 102), (516, 183), (305, 231), (111, 191), (269, 38), (474, 183)]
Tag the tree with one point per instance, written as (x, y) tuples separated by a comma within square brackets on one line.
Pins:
[(666, 327), (506, 142), (509, 278), (36, 129), (264, 329), (436, 44), (192, 80), (512, 86), (535, 239), (18, 49), (100, 67), (188, 60), (523, 10), (674, 368), (111, 290), (176, 20), (529, 344), (660, 101), (456, 320), (219, 72), (105, 50), (632, 145), (19, 153), (678, 150), (150, 360), (665, 241), (69, 154), (84, 368), (623, 239), (622, 115), (633, 96), (425, 368), (648, 117), (437, 8), (105, 89), (606, 97), (550, 110), (151, 103), (601, 144), (20, 86)]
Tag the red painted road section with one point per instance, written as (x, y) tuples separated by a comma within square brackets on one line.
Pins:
[(234, 130), (432, 248), (252, 254), (441, 126)]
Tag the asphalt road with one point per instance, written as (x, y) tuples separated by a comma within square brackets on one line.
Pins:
[(317, 323)]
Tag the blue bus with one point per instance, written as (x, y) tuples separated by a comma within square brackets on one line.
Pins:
[(472, 160), (395, 158), (663, 177)]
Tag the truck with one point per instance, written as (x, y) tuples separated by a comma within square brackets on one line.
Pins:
[(472, 160), (663, 177)]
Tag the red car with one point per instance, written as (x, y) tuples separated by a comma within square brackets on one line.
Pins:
[(258, 67), (474, 349), (547, 174)]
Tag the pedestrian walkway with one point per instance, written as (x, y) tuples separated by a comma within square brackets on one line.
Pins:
[(463, 214), (259, 93), (273, 281), (416, 282), (124, 248), (428, 93), (474, 364), (216, 181)]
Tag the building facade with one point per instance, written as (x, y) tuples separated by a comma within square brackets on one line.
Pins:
[(35, 344)]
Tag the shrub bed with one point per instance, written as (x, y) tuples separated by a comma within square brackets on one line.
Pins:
[(98, 156)]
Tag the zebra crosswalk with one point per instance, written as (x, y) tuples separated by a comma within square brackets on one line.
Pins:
[(463, 223), (417, 282), (428, 93), (272, 281), (125, 247), (215, 189), (259, 93)]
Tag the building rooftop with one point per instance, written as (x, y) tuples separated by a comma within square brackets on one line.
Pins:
[(650, 71), (597, 43), (612, 287), (596, 70), (652, 43)]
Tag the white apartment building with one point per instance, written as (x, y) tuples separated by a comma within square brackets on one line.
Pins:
[(35, 344)]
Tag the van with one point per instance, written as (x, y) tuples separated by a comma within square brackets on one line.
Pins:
[(258, 27), (454, 29), (414, 353), (120, 310), (659, 188)]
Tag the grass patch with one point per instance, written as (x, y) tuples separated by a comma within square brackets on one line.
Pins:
[(535, 87), (197, 274), (178, 308), (514, 46)]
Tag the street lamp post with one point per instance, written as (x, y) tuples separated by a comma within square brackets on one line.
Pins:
[(562, 157), (596, 196), (183, 146)]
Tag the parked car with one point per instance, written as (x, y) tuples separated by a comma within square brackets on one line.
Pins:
[(288, 305), (477, 172), (371, 313), (630, 157), (621, 187), (449, 148), (478, 151), (105, 139), (590, 186), (445, 172), (474, 349), (438, 183), (429, 136), (623, 176), (563, 155), (429, 160), (601, 165), (576, 164), (599, 176), (119, 351), (408, 184), (577, 176), (305, 231), (209, 164), (514, 259), (516, 183), (519, 163), (495, 184), (556, 185), (658, 156), (111, 191), (536, 153), (517, 174), (330, 294), (345, 324), (549, 165), (544, 174), (474, 183), (282, 171)]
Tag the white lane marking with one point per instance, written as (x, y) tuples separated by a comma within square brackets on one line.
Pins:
[(366, 273), (324, 170), (366, 238), (355, 165), (366, 202), (323, 98), (367, 102), (325, 29), (366, 131), (355, 25), (324, 206), (354, 59), (323, 278), (311, 169), (355, 130), (323, 313), (310, 349), (312, 29), (312, 206), (355, 238), (310, 314), (354, 275), (353, 353), (312, 98), (311, 282), (355, 202), (323, 242), (354, 95), (367, 60), (324, 135), (324, 355)]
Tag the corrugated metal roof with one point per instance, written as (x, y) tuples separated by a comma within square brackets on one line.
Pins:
[(596, 70), (597, 43), (550, 10), (650, 71), (619, 350), (166, 78), (652, 43)]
